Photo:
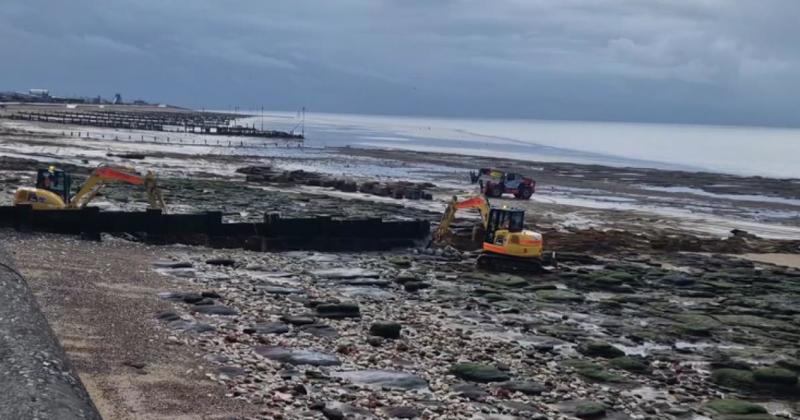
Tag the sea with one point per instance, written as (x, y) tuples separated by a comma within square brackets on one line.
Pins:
[(759, 151)]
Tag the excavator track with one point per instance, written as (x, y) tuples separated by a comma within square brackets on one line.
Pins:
[(504, 263)]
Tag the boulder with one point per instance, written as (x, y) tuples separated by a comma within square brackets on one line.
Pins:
[(388, 379), (167, 316), (338, 310), (172, 264), (775, 376), (525, 387), (298, 356), (600, 349), (733, 406), (470, 391), (225, 262), (332, 413), (590, 410), (319, 330), (559, 296), (268, 328), (592, 371), (733, 378), (405, 276), (477, 372), (413, 286), (630, 363), (389, 330), (402, 412), (214, 310), (298, 319)]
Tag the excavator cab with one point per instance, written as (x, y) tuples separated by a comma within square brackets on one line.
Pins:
[(502, 219), (56, 181)]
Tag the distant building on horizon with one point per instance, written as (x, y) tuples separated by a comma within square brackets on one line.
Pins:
[(39, 93)]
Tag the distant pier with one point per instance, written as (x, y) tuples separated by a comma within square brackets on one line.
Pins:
[(174, 121)]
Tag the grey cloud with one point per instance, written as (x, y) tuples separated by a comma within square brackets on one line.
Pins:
[(714, 61)]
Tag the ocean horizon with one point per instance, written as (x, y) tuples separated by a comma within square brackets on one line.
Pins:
[(738, 150)]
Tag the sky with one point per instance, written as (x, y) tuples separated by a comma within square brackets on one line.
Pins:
[(686, 61)]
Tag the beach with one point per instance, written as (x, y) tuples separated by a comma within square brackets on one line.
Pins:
[(676, 285)]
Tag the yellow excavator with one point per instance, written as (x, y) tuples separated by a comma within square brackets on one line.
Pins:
[(53, 188), (507, 245)]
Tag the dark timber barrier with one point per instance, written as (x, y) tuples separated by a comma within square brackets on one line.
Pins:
[(36, 378), (273, 234)]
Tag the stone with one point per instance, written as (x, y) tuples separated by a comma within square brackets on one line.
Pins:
[(298, 319), (413, 286), (332, 413), (225, 262), (470, 391), (775, 376), (200, 328), (214, 310), (172, 264), (405, 277), (136, 364), (733, 378), (231, 371), (733, 406), (477, 372), (319, 330), (509, 281), (600, 349), (384, 379), (167, 316), (403, 262), (298, 356), (375, 341), (390, 330), (345, 273), (592, 371), (525, 387), (559, 295), (590, 410), (402, 412), (679, 280), (279, 290), (696, 324), (630, 363), (205, 301), (192, 298), (367, 282), (172, 296), (268, 328), (338, 310), (494, 297)]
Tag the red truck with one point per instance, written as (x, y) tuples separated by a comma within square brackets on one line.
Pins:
[(495, 183)]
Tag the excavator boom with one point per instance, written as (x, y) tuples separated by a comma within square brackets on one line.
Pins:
[(449, 215), (46, 197), (105, 174)]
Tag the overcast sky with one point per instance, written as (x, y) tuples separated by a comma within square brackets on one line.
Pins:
[(696, 61)]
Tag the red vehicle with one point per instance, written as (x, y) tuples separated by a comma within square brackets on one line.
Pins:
[(495, 183)]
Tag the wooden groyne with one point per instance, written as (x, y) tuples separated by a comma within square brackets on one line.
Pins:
[(182, 122)]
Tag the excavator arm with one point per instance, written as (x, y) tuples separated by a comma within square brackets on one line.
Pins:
[(106, 174), (453, 206)]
